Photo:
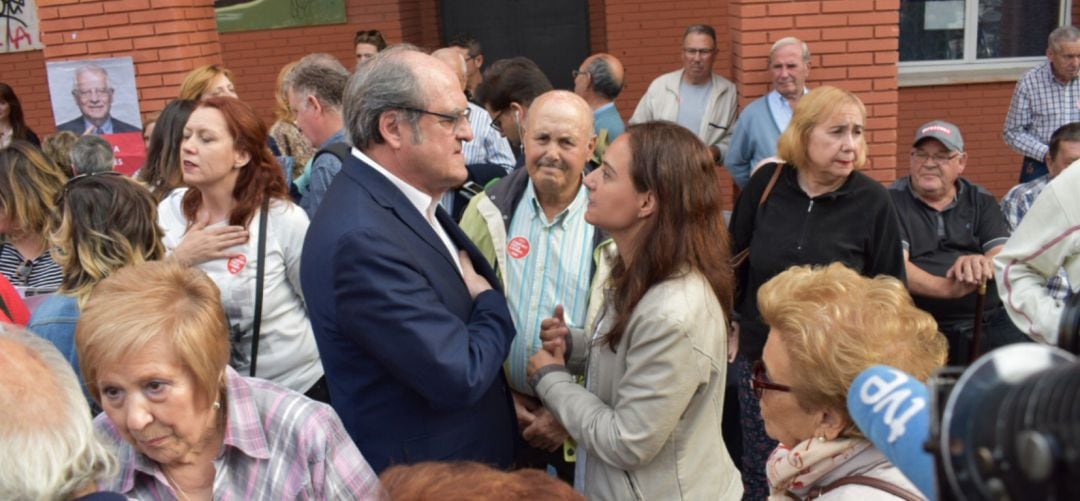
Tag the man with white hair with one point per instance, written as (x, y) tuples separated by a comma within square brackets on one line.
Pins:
[(763, 120), (93, 94), (1045, 98), (48, 449)]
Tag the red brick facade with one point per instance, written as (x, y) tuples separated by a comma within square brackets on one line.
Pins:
[(854, 45)]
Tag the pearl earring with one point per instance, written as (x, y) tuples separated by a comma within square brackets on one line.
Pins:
[(216, 405), (822, 439)]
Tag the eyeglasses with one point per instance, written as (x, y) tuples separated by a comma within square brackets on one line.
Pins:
[(940, 158), (495, 124), (575, 73), (67, 186), (104, 91), (759, 380), (453, 120), (698, 52), (22, 273)]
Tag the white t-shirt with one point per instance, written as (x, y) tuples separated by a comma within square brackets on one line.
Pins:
[(287, 352)]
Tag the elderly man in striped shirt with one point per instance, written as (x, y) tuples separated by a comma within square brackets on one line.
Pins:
[(1046, 97), (531, 226)]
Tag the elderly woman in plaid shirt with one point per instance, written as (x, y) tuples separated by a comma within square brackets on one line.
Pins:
[(154, 347)]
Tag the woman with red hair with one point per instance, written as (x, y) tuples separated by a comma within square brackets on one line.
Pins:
[(216, 223)]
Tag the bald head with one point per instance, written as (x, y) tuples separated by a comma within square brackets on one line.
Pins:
[(453, 58), (599, 80), (564, 105), (559, 141)]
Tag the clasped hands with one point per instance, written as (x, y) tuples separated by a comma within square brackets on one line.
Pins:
[(540, 428)]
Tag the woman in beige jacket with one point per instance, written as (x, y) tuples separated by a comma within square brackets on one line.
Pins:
[(647, 421)]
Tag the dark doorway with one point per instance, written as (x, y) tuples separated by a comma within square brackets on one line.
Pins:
[(553, 33)]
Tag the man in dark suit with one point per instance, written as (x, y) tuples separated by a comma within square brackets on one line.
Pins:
[(93, 93), (411, 333)]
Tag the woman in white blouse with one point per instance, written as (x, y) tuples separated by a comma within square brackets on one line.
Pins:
[(215, 224)]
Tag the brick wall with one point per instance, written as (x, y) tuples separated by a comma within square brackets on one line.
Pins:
[(256, 57), (646, 36), (165, 42), (29, 84), (853, 45), (979, 110)]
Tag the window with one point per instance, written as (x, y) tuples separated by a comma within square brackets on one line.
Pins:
[(974, 31)]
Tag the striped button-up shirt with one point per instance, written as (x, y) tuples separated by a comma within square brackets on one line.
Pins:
[(1015, 205), (548, 262), (278, 445), (488, 146), (1040, 105)]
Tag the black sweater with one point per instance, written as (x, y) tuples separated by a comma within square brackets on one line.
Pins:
[(855, 225)]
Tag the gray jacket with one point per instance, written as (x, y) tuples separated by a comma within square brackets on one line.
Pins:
[(650, 420)]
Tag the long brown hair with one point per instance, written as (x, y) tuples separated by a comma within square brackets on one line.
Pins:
[(19, 130), (687, 228), (261, 177), (162, 173), (108, 221)]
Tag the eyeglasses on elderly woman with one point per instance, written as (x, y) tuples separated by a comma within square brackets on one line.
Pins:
[(759, 380)]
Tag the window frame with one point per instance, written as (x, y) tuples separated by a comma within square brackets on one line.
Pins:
[(970, 69)]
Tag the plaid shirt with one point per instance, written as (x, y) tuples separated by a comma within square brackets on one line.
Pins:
[(1015, 204), (278, 445), (1039, 106)]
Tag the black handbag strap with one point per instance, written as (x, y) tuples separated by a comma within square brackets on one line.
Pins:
[(260, 272)]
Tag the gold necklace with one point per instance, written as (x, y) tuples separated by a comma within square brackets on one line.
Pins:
[(175, 485)]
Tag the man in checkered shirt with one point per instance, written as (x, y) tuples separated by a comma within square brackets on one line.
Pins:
[(1046, 97)]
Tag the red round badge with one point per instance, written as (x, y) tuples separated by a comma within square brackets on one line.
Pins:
[(236, 263), (518, 247)]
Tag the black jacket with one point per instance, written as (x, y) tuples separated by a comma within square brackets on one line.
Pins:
[(855, 225)]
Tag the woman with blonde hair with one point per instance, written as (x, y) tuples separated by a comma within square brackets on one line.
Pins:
[(813, 208), (208, 81), (827, 325), (107, 221), (154, 345), (29, 183)]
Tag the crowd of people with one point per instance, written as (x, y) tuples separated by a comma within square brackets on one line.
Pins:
[(429, 278)]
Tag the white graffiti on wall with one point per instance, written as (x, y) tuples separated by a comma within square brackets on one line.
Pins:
[(19, 26)]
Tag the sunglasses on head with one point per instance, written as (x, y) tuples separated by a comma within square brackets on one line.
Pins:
[(67, 186)]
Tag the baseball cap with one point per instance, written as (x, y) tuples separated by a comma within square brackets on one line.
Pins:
[(943, 131)]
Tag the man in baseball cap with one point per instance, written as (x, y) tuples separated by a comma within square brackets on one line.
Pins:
[(951, 229)]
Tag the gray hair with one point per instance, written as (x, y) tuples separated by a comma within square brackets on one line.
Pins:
[(385, 82), (603, 79), (92, 154), (1062, 34), (701, 29), (48, 448), (89, 68), (784, 42), (319, 75)]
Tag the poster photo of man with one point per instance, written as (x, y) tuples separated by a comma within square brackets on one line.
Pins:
[(94, 96), (99, 97)]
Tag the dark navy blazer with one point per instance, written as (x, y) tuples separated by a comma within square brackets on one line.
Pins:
[(413, 363)]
